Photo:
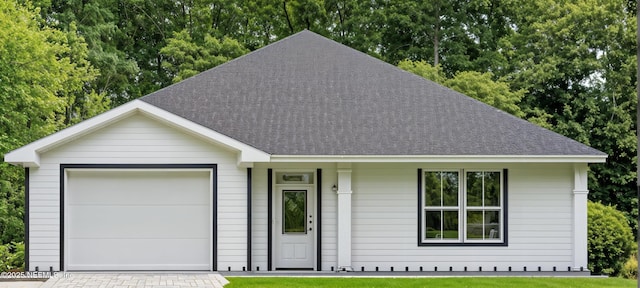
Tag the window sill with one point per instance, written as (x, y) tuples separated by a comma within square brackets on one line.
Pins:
[(461, 244)]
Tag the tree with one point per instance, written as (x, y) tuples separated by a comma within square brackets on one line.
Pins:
[(305, 14), (356, 24), (482, 87), (457, 35), (424, 70), (144, 26), (576, 60), (186, 57), (82, 100), (97, 22), (42, 71)]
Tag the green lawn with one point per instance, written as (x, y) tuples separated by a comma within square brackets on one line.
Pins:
[(461, 282)]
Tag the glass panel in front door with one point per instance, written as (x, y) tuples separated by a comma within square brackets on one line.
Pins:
[(294, 211)]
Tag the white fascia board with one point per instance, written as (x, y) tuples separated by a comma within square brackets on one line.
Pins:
[(28, 155), (25, 158), (444, 158)]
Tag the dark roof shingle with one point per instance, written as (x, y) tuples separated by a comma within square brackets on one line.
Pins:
[(308, 95)]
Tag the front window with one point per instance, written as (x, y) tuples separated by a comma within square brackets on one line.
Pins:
[(462, 207), (441, 205)]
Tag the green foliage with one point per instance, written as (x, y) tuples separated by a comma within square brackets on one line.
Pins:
[(423, 69), (33, 72), (610, 240), (577, 61), (43, 75), (630, 268), (11, 206), (186, 57), (96, 21), (481, 86), (143, 28), (306, 14), (356, 23), (12, 257)]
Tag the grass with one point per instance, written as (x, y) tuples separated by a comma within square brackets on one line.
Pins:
[(460, 282)]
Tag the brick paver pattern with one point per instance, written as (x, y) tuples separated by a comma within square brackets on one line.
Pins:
[(130, 280)]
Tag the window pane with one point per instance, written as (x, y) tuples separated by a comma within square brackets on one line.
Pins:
[(432, 225), (474, 188), (294, 211), (450, 188), (492, 226), (492, 189), (432, 188), (450, 225), (474, 225)]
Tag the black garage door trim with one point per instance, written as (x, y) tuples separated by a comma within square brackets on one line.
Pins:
[(214, 187)]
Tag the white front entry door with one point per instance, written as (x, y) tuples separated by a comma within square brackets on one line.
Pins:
[(294, 228)]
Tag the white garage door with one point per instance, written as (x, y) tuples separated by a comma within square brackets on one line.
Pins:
[(138, 219)]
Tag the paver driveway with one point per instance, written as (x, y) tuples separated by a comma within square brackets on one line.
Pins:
[(20, 284), (130, 280)]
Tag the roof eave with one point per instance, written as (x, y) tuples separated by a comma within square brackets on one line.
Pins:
[(444, 158)]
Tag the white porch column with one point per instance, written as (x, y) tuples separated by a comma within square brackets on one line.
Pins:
[(580, 192), (344, 216)]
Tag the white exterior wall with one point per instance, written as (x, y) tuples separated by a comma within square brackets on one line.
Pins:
[(384, 209), (260, 211), (385, 232), (137, 140)]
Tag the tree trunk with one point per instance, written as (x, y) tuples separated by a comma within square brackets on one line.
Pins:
[(341, 19), (286, 15), (436, 36)]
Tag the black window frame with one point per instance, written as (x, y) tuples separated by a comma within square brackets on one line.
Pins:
[(461, 242)]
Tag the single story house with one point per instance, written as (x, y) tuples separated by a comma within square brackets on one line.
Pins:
[(306, 154)]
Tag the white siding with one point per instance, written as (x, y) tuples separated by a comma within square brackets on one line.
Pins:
[(260, 212), (384, 208), (137, 140), (385, 232)]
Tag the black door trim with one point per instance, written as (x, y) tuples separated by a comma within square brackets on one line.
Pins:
[(249, 228), (26, 218), (319, 220), (269, 219)]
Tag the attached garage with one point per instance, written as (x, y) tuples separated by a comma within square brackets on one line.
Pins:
[(138, 217)]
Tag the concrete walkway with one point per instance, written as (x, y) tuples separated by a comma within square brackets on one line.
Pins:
[(130, 280)]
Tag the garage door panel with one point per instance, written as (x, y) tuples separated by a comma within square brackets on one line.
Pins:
[(140, 221), (139, 187), (139, 254)]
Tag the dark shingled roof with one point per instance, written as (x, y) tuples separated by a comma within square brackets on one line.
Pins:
[(308, 95)]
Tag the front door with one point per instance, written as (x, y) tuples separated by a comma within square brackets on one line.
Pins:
[(294, 228)]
